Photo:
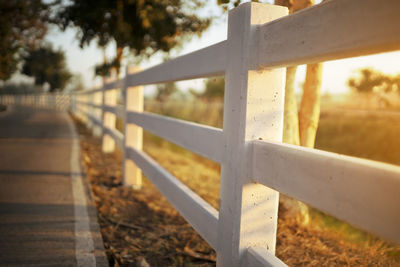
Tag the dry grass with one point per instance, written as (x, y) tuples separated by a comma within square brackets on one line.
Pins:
[(139, 225), (361, 133)]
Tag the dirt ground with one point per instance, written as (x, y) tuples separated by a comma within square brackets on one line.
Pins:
[(140, 227)]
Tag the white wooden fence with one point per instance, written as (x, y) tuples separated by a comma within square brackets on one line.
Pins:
[(57, 101), (262, 40)]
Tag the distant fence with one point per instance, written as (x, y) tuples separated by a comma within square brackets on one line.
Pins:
[(59, 101), (262, 40)]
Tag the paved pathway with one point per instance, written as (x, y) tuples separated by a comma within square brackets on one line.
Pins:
[(46, 214)]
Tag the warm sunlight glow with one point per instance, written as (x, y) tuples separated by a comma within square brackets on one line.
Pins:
[(337, 72)]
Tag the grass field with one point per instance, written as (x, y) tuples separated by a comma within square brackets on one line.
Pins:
[(369, 134), (326, 241)]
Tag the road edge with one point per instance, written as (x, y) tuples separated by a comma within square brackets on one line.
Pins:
[(89, 246)]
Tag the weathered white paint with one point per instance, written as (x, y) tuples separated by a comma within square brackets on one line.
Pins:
[(201, 215), (260, 257), (210, 61), (204, 140), (133, 134), (109, 120), (363, 192), (332, 30), (253, 109)]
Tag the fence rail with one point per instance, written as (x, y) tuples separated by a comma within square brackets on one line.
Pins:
[(261, 40), (204, 140)]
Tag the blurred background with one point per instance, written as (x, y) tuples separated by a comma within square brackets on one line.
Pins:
[(349, 106)]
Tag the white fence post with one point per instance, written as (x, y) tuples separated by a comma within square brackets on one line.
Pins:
[(84, 107), (109, 119), (133, 134), (98, 112), (90, 109), (253, 110)]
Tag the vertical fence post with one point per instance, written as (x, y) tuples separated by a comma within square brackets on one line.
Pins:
[(109, 119), (253, 109), (72, 102), (97, 112), (90, 123), (133, 135), (85, 109), (77, 106)]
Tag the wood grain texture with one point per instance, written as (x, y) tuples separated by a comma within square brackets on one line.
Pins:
[(332, 30), (201, 215), (362, 192), (201, 139)]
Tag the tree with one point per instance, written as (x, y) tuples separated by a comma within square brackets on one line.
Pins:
[(213, 89), (371, 80), (144, 26), (23, 25), (164, 91), (47, 66), (299, 128)]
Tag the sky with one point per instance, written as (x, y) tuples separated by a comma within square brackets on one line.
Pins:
[(335, 73)]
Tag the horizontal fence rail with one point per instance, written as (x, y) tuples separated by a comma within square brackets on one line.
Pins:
[(349, 188), (204, 140), (260, 257), (333, 30), (210, 61), (243, 231), (117, 110), (194, 209), (116, 135)]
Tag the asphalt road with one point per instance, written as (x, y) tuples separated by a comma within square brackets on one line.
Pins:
[(46, 214)]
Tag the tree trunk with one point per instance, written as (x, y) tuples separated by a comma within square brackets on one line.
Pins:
[(103, 48), (290, 207), (310, 105), (120, 51), (291, 121)]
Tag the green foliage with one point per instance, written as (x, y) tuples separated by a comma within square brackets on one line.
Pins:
[(145, 26), (47, 66), (213, 89), (229, 4), (371, 80), (105, 68), (16, 88), (22, 26), (164, 91)]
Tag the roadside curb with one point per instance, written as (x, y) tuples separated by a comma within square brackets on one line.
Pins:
[(89, 246)]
